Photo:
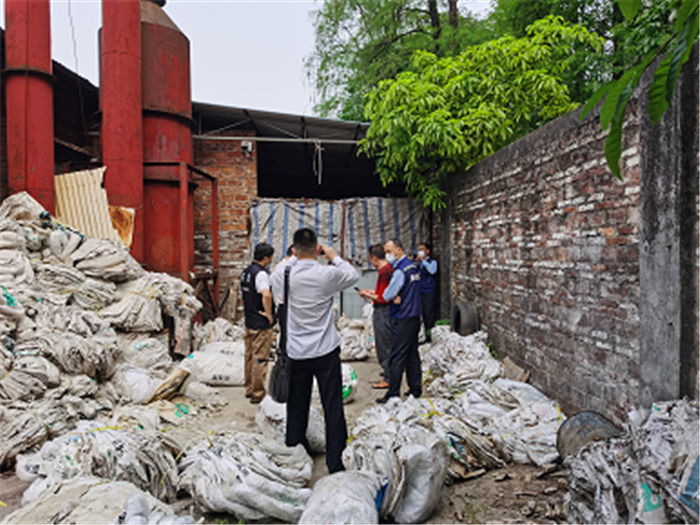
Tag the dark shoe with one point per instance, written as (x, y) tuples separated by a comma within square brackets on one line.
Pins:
[(409, 393), (248, 396), (383, 400)]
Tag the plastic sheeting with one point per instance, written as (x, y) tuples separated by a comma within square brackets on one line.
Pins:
[(348, 225), (247, 475), (647, 475)]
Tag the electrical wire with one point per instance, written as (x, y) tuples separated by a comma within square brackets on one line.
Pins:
[(77, 73)]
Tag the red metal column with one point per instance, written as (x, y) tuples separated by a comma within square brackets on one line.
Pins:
[(120, 100), (29, 92), (167, 137)]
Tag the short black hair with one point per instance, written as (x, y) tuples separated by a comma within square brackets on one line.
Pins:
[(377, 250), (262, 250), (289, 251), (427, 245), (305, 241), (397, 242)]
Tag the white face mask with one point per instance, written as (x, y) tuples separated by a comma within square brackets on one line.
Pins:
[(421, 254), (390, 258)]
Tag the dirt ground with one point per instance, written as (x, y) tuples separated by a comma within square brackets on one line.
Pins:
[(516, 494)]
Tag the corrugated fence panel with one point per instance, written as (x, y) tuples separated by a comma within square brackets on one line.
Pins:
[(81, 202), (350, 225)]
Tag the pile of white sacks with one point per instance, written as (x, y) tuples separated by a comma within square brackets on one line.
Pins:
[(86, 371), (400, 454)]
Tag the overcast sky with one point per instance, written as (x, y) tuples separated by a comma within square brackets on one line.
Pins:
[(245, 53)]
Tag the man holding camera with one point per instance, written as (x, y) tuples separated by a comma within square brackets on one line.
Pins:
[(313, 343)]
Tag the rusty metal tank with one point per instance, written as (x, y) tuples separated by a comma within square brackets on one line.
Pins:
[(120, 101), (167, 138)]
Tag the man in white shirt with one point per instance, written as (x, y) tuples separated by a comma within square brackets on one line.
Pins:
[(257, 305), (313, 343)]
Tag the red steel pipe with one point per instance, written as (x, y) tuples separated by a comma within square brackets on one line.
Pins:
[(29, 99), (121, 103), (167, 138)]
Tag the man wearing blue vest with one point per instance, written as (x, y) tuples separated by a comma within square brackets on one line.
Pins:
[(428, 287), (257, 305), (403, 294)]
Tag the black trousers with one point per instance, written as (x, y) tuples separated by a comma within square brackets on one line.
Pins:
[(326, 369), (428, 306), (404, 355)]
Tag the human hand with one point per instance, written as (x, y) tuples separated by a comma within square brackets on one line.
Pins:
[(267, 316), (328, 252), (397, 300), (364, 293)]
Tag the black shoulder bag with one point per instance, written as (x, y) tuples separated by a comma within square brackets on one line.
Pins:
[(281, 370)]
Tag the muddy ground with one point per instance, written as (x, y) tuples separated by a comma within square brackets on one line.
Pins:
[(516, 494)]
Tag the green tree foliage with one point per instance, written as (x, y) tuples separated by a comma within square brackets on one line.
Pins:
[(360, 42), (587, 70), (446, 114), (681, 33)]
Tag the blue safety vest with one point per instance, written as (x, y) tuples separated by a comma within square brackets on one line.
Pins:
[(410, 292), (427, 280)]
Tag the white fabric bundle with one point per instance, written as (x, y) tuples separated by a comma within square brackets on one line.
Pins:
[(345, 497), (76, 354), (219, 364), (352, 339), (24, 425), (15, 268), (63, 243), (388, 441), (150, 354), (89, 501), (134, 384), (218, 330), (247, 475), (12, 240), (453, 361), (271, 418), (107, 260), (102, 451)]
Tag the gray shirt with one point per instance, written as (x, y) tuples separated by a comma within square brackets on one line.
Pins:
[(311, 327)]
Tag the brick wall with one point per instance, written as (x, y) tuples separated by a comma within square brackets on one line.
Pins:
[(546, 242), (236, 172)]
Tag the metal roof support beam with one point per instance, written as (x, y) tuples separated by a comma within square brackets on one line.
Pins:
[(280, 139)]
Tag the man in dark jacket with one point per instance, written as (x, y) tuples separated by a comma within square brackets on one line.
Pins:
[(257, 303)]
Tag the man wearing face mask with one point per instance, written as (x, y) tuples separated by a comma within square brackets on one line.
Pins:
[(257, 305), (428, 287), (403, 293)]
